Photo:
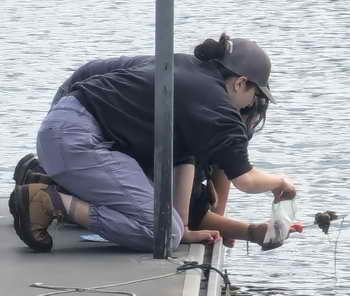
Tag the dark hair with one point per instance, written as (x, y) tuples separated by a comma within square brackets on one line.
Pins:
[(211, 49), (255, 115)]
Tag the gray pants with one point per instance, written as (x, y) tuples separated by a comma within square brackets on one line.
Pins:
[(73, 151)]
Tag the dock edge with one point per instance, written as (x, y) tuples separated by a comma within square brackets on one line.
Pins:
[(193, 278)]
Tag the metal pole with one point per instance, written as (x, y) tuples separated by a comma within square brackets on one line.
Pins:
[(163, 154)]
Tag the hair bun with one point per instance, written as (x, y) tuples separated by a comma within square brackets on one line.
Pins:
[(209, 49)]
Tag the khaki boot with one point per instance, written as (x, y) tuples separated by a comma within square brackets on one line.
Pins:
[(30, 178), (36, 206), (27, 163), (33, 177), (27, 171)]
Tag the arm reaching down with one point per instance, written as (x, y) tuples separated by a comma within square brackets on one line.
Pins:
[(258, 181), (221, 188), (183, 182)]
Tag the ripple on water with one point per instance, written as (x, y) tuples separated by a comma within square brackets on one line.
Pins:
[(305, 136)]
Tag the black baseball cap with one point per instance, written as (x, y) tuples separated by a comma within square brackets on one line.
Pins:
[(245, 58)]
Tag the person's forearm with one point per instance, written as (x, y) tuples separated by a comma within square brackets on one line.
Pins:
[(257, 181), (222, 187), (183, 182)]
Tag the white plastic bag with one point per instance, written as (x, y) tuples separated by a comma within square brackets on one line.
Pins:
[(283, 216)]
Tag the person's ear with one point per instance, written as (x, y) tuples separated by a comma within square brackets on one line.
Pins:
[(240, 83)]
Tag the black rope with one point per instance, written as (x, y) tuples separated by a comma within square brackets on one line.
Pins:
[(206, 269)]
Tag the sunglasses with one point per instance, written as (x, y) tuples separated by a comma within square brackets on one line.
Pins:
[(258, 93)]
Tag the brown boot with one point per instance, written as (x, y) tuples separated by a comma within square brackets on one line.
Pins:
[(27, 163), (37, 205), (30, 178), (27, 171), (33, 177)]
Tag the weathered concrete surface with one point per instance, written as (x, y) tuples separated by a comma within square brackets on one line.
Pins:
[(74, 263)]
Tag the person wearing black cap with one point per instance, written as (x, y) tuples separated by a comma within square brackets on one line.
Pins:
[(97, 142)]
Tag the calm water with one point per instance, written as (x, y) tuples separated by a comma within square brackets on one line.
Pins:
[(306, 136)]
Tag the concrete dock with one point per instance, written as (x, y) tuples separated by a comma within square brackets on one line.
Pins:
[(75, 263)]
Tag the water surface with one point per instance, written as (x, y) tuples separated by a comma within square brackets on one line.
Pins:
[(306, 135)]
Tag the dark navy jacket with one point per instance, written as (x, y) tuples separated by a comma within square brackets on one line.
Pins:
[(119, 93)]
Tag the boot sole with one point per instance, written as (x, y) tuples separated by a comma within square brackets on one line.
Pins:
[(26, 163), (12, 206), (22, 226), (13, 211)]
